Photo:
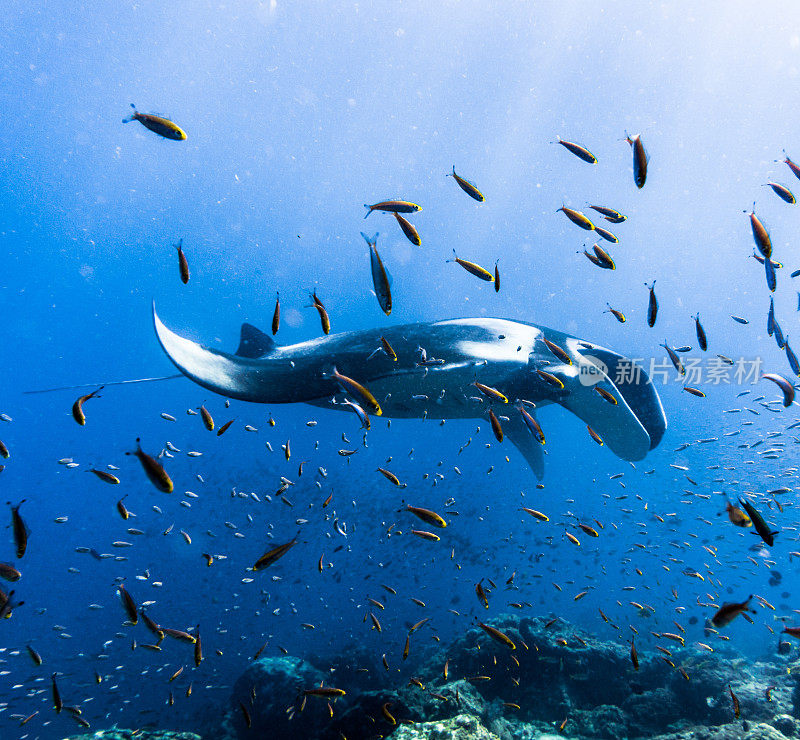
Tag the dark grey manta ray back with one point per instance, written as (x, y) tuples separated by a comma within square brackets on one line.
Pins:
[(434, 374)]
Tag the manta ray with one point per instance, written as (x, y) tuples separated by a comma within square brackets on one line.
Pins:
[(434, 374)]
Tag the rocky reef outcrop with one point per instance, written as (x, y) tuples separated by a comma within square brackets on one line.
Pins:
[(557, 681), (137, 735)]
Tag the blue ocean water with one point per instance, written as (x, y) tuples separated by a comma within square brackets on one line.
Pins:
[(296, 115)]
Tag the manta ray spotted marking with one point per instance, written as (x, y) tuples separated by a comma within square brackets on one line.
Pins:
[(499, 353)]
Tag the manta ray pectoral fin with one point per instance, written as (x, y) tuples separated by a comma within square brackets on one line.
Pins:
[(254, 343), (528, 446), (223, 373)]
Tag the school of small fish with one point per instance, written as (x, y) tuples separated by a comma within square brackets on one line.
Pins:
[(414, 523)]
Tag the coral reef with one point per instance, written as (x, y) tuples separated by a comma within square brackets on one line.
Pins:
[(557, 682), (137, 735), (460, 727)]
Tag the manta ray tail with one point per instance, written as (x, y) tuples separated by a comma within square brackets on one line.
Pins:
[(105, 382)]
